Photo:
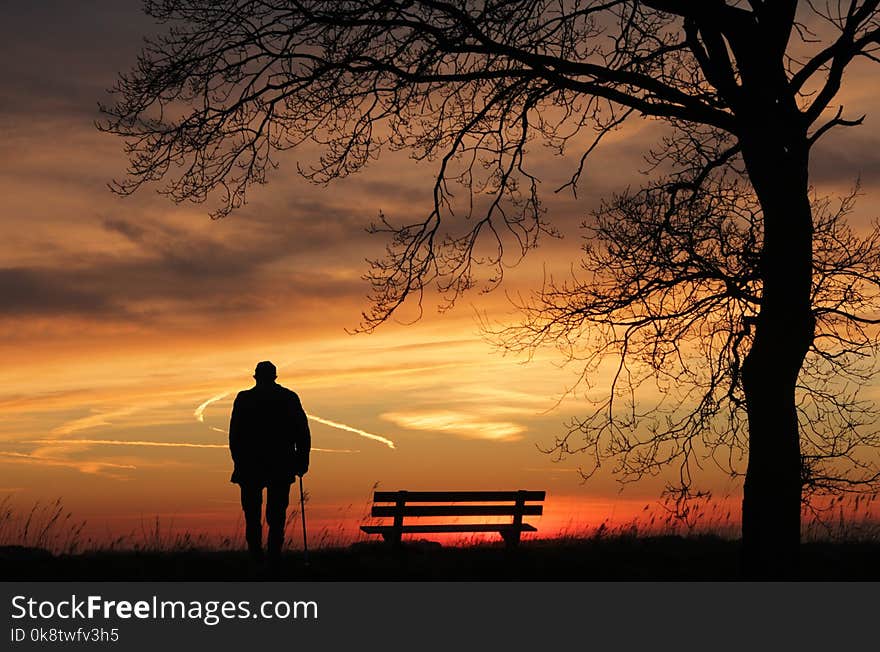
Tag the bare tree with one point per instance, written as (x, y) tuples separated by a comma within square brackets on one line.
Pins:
[(470, 84), (668, 292)]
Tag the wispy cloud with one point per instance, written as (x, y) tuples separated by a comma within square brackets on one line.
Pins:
[(94, 420), (459, 423), (548, 469), (85, 466), (158, 444)]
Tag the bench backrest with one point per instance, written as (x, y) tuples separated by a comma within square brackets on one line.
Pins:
[(402, 503)]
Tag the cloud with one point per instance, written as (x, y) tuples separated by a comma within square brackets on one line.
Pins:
[(94, 420), (85, 466), (43, 291), (840, 158), (188, 280), (459, 423), (59, 62), (156, 444)]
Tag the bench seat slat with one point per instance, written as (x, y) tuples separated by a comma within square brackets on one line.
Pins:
[(456, 510), (498, 527), (457, 496)]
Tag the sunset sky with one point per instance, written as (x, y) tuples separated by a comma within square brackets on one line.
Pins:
[(134, 320)]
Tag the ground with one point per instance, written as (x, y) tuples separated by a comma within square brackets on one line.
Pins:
[(594, 559)]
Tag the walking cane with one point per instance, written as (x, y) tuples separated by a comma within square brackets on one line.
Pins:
[(302, 510)]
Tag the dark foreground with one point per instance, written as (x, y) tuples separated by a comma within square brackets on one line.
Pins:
[(642, 558)]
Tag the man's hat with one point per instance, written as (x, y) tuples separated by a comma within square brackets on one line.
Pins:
[(265, 370)]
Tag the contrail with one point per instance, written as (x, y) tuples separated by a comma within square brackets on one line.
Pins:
[(357, 431), (200, 416), (163, 444)]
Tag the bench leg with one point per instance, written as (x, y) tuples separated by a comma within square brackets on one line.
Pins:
[(511, 537), (392, 538)]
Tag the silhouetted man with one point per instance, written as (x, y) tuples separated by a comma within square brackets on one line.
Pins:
[(270, 442)]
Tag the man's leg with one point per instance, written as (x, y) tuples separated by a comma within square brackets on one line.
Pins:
[(252, 504), (277, 499)]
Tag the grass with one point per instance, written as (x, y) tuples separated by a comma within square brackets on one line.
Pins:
[(46, 526), (840, 541)]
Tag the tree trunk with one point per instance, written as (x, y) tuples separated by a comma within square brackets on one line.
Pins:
[(777, 163)]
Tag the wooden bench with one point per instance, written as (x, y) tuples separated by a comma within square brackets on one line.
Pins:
[(443, 504)]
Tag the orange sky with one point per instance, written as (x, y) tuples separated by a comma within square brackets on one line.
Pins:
[(120, 317)]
